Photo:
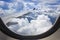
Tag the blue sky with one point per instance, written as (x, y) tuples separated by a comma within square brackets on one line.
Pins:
[(7, 0)]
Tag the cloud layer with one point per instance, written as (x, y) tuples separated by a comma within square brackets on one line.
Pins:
[(43, 13), (38, 26), (16, 6)]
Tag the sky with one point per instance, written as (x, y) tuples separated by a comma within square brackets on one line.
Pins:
[(40, 15)]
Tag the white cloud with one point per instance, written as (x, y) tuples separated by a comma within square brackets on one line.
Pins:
[(42, 6), (34, 28), (49, 1), (14, 28), (2, 3), (38, 26), (2, 12)]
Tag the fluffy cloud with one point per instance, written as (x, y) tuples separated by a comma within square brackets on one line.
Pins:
[(2, 14), (44, 9), (1, 3), (20, 5), (33, 28)]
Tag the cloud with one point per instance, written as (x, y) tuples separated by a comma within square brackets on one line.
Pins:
[(41, 24), (20, 5), (2, 3), (33, 28), (1, 12)]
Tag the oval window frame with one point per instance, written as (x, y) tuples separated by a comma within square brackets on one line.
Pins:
[(8, 32)]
